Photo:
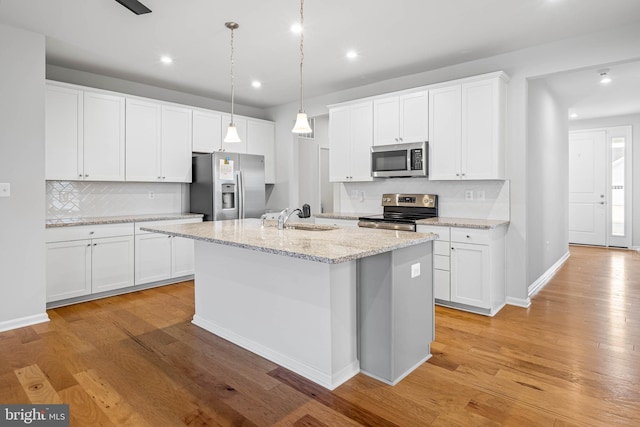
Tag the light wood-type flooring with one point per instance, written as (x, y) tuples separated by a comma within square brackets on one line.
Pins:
[(571, 359)]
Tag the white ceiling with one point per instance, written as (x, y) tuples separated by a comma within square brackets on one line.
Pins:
[(394, 38)]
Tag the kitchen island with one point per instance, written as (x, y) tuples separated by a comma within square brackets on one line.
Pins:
[(322, 301)]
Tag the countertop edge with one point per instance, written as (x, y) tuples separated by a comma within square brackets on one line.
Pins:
[(118, 219)]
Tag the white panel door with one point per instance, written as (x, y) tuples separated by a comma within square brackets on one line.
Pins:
[(68, 269), (112, 263), (470, 274), (261, 138), (445, 127), (143, 140), (183, 255), (386, 121), (414, 117), (340, 143), (153, 258), (176, 144), (207, 131), (361, 124), (104, 136), (587, 188), (63, 133)]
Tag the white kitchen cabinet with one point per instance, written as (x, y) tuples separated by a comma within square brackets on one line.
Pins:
[(469, 268), (261, 137), (88, 259), (104, 137), (63, 133), (158, 142), (84, 135), (241, 126), (143, 130), (161, 257), (206, 131), (466, 129), (401, 118), (351, 138), (176, 144)]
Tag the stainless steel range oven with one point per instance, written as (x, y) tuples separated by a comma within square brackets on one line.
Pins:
[(401, 211)]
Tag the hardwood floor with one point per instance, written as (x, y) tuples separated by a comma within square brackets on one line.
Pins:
[(571, 359)]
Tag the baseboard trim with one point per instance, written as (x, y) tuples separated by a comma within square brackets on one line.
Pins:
[(519, 302), (540, 283), (23, 322)]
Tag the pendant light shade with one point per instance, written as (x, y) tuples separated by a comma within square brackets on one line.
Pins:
[(302, 123), (232, 132)]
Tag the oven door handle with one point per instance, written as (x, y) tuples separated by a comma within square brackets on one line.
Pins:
[(386, 226)]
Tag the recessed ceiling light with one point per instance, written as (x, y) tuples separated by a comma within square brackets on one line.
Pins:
[(296, 28), (256, 84), (166, 59), (604, 76), (352, 54), (573, 115)]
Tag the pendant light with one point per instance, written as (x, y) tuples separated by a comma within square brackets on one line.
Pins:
[(302, 123), (232, 132)]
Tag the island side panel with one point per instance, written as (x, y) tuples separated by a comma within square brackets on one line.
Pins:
[(395, 312), (297, 313)]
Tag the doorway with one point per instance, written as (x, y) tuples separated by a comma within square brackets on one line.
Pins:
[(314, 187), (600, 187)]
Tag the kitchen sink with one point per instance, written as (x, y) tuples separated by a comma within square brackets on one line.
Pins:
[(310, 227)]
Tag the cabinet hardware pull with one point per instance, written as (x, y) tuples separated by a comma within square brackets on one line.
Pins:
[(91, 232), (468, 237), (79, 175), (89, 245), (95, 244), (86, 175)]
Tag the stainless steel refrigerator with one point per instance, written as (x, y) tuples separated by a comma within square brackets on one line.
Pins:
[(228, 186)]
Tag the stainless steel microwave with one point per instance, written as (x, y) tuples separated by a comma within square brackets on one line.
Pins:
[(400, 160)]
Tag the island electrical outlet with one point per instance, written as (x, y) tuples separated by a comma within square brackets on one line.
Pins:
[(415, 270)]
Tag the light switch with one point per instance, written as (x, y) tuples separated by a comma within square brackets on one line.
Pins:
[(5, 189), (415, 270)]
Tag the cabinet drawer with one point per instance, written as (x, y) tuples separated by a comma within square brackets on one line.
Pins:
[(152, 224), (441, 262), (442, 232), (441, 248), (470, 235), (63, 234)]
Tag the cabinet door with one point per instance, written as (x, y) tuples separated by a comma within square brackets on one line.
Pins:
[(68, 269), (470, 274), (386, 121), (441, 285), (153, 258), (112, 263), (182, 256), (261, 140), (361, 125), (481, 139), (176, 144), (63, 133), (143, 140), (104, 134), (241, 126), (340, 144), (207, 131), (414, 117), (444, 133)]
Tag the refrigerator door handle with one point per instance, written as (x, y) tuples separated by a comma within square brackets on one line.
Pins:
[(240, 180)]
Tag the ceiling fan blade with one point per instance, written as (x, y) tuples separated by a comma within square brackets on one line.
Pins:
[(134, 6)]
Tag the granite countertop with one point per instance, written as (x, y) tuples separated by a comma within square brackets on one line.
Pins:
[(320, 243), (463, 222), (98, 220), (342, 215)]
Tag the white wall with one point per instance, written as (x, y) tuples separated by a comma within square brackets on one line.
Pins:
[(634, 121), (547, 180), (22, 256), (591, 50)]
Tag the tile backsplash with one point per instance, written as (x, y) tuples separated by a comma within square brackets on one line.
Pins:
[(80, 199)]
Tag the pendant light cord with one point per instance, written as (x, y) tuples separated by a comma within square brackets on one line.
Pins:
[(301, 55), (232, 85)]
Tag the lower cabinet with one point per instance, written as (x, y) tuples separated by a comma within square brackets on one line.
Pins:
[(87, 260), (469, 268)]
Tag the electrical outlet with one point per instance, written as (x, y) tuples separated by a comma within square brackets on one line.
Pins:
[(415, 270), (152, 195), (480, 195), (468, 194), (5, 189)]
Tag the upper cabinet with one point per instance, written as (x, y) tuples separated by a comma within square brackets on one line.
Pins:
[(351, 138), (207, 131), (466, 129), (84, 134), (158, 142), (401, 118), (261, 140)]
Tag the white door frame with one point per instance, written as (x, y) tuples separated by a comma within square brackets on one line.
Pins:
[(613, 132)]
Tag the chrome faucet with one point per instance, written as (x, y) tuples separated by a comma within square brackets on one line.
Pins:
[(262, 218), (290, 213), (282, 218)]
